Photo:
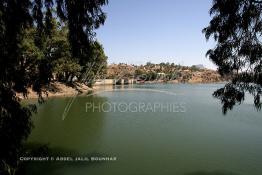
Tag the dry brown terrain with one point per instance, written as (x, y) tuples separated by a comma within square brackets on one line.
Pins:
[(58, 89), (184, 74)]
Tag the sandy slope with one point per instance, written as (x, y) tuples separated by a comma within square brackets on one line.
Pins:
[(57, 89)]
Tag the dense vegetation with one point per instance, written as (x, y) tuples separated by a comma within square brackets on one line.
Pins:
[(55, 52), (40, 41)]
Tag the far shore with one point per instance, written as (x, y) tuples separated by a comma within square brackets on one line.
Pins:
[(188, 82), (58, 89)]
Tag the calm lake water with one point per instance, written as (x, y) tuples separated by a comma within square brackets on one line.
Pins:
[(187, 135)]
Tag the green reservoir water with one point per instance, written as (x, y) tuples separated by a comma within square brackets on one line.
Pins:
[(193, 138)]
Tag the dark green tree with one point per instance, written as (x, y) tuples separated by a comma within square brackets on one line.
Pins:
[(94, 66), (16, 18), (236, 27)]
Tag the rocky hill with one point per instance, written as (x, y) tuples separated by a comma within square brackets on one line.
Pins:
[(168, 72)]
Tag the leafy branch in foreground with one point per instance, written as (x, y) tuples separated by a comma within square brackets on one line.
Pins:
[(236, 27), (27, 62)]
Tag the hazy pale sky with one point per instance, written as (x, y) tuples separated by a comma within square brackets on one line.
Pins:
[(138, 31)]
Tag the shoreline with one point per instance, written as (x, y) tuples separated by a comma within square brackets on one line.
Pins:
[(58, 89), (179, 82)]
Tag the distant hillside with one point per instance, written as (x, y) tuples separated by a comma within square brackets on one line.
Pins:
[(167, 72), (199, 66)]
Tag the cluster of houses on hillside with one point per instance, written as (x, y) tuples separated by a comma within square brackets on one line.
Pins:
[(164, 72)]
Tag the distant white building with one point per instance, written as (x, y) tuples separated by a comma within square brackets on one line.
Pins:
[(161, 75)]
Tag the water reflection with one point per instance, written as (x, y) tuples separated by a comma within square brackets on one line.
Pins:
[(152, 142), (55, 167), (76, 131), (220, 172)]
